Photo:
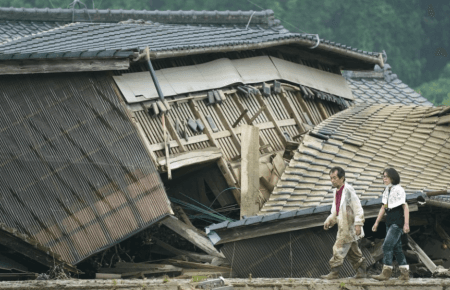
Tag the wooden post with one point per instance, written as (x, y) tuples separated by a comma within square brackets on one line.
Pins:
[(166, 148), (249, 170), (174, 133)]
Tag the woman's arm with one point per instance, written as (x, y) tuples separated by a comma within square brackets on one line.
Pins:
[(406, 213), (379, 217)]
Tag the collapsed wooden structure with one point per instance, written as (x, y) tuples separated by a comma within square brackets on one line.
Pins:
[(102, 124)]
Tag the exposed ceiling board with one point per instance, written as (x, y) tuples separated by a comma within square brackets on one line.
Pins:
[(314, 78), (139, 87)]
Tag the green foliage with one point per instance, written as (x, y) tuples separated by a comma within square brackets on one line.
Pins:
[(437, 91)]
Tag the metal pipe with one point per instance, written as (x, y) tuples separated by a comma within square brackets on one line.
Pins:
[(152, 73)]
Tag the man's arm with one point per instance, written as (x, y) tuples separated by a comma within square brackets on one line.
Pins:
[(331, 220), (358, 211)]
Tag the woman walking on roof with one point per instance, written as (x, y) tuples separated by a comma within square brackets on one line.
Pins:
[(397, 223)]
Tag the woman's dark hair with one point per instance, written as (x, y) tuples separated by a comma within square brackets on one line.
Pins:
[(340, 171), (393, 175)]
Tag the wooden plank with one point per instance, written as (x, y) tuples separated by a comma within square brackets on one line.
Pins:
[(147, 272), (290, 107), (166, 147), (227, 125), (192, 157), (191, 235), (249, 171), (136, 267), (262, 139), (192, 265), (107, 276), (239, 119), (304, 106), (194, 256), (253, 118), (322, 111), (287, 225), (13, 67), (173, 132), (271, 116), (422, 255), (194, 108), (183, 216)]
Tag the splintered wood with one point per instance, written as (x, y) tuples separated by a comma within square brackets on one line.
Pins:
[(249, 170)]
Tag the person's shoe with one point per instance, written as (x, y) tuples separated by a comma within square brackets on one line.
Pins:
[(334, 274), (385, 274), (361, 272), (404, 273)]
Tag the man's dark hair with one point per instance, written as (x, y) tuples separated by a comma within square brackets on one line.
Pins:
[(340, 171), (393, 175)]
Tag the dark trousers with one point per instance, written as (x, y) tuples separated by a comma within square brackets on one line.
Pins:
[(392, 246)]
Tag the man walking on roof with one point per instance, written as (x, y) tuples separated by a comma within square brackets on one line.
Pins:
[(348, 213)]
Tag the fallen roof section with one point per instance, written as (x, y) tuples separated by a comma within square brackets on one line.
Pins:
[(382, 86), (364, 140), (75, 174), (278, 223)]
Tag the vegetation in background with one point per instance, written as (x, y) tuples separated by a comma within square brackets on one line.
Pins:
[(413, 33), (437, 91)]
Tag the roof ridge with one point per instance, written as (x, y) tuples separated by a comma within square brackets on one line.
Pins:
[(263, 17)]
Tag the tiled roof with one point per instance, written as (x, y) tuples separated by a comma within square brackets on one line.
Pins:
[(160, 37), (162, 31), (10, 30), (364, 140), (253, 220), (382, 86)]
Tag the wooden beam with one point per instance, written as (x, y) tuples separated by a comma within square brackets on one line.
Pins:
[(191, 235), (253, 118), (289, 105), (32, 66), (422, 255), (192, 157), (173, 132), (194, 256), (271, 116), (194, 108), (166, 147), (239, 119), (227, 125), (229, 178), (249, 171), (322, 111), (304, 107), (286, 225), (262, 139)]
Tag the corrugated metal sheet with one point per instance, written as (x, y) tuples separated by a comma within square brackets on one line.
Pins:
[(303, 253), (74, 173)]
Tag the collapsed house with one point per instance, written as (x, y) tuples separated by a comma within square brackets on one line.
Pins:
[(364, 140), (99, 136)]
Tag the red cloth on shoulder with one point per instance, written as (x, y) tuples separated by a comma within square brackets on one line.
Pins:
[(338, 199)]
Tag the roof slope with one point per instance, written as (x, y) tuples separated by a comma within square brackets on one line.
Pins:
[(73, 167), (173, 30), (382, 86), (159, 37), (364, 140)]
